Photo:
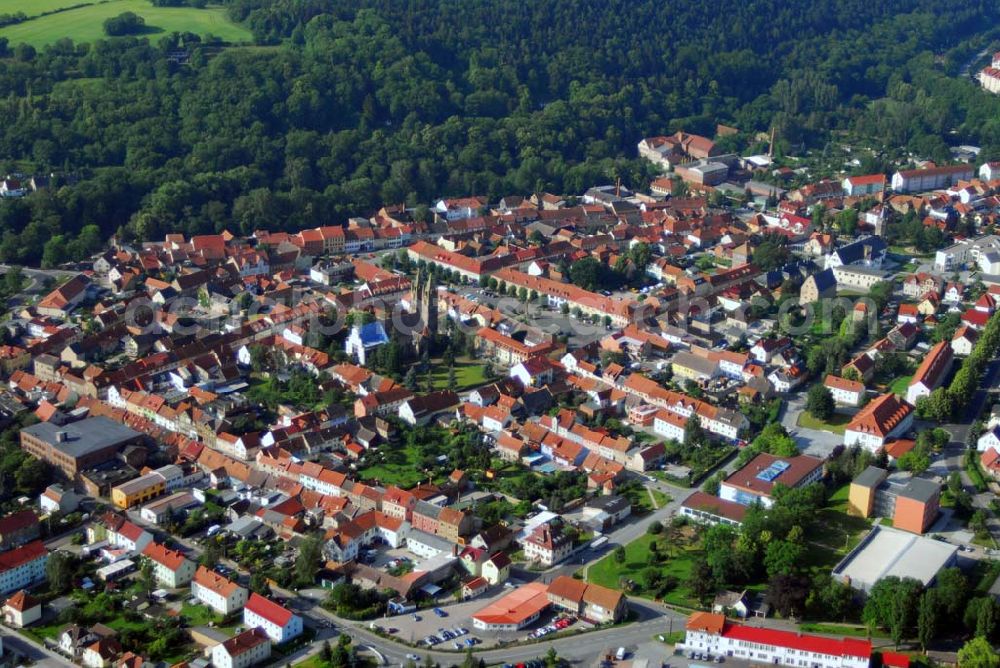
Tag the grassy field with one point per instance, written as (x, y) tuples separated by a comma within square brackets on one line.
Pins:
[(899, 385), (467, 374), (835, 425), (608, 572), (401, 467), (36, 7), (86, 24)]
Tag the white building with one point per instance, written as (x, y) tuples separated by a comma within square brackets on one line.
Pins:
[(991, 439), (845, 392), (23, 567), (170, 568), (218, 592), (277, 622), (965, 252), (882, 419), (711, 633), (246, 649)]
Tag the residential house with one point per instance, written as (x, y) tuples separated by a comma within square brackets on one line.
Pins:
[(547, 544), (218, 592), (931, 373), (22, 609), (277, 622), (170, 567), (243, 650), (845, 392)]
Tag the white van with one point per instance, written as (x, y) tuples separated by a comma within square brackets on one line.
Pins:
[(620, 654)]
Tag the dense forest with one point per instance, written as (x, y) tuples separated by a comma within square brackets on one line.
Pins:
[(344, 105)]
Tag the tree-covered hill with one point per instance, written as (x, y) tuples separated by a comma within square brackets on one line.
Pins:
[(350, 104)]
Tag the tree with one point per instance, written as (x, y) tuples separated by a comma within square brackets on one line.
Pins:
[(694, 434), (259, 585), (927, 619), (126, 23), (551, 658), (59, 571), (782, 556), (771, 253), (819, 402), (210, 554), (619, 555), (307, 563), (952, 589), (586, 273), (892, 605), (788, 594), (978, 653), (701, 581)]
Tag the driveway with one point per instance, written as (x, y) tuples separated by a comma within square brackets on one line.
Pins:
[(809, 441)]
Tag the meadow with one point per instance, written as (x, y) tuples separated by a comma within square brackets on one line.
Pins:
[(86, 24)]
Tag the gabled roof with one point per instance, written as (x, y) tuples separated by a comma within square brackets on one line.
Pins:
[(244, 642), (881, 416), (269, 610), (163, 555)]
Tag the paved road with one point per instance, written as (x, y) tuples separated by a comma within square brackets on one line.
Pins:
[(41, 656), (36, 277), (653, 620)]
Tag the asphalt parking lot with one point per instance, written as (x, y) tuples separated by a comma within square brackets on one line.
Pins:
[(459, 615)]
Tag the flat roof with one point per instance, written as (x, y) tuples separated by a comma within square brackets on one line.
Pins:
[(84, 436), (870, 477), (920, 489), (885, 552)]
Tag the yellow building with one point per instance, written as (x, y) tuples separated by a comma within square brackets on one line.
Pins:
[(139, 490)]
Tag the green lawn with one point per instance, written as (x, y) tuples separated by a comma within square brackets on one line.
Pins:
[(401, 467), (608, 572), (467, 375), (836, 424), (855, 630), (86, 24), (199, 615), (36, 7), (899, 385), (313, 661)]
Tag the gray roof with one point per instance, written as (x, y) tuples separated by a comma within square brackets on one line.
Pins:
[(84, 436), (870, 477), (885, 552), (920, 489), (825, 280)]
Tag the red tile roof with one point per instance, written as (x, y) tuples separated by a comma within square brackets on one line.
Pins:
[(17, 521), (800, 641), (269, 610), (245, 642), (161, 554), (881, 416), (935, 364), (22, 555), (214, 582)]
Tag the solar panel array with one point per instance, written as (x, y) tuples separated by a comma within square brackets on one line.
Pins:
[(773, 471)]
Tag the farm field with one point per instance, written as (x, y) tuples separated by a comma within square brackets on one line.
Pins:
[(86, 24), (35, 7)]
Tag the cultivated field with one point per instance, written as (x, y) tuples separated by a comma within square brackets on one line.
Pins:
[(85, 24)]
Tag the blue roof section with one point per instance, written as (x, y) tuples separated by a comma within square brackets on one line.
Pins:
[(372, 334)]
